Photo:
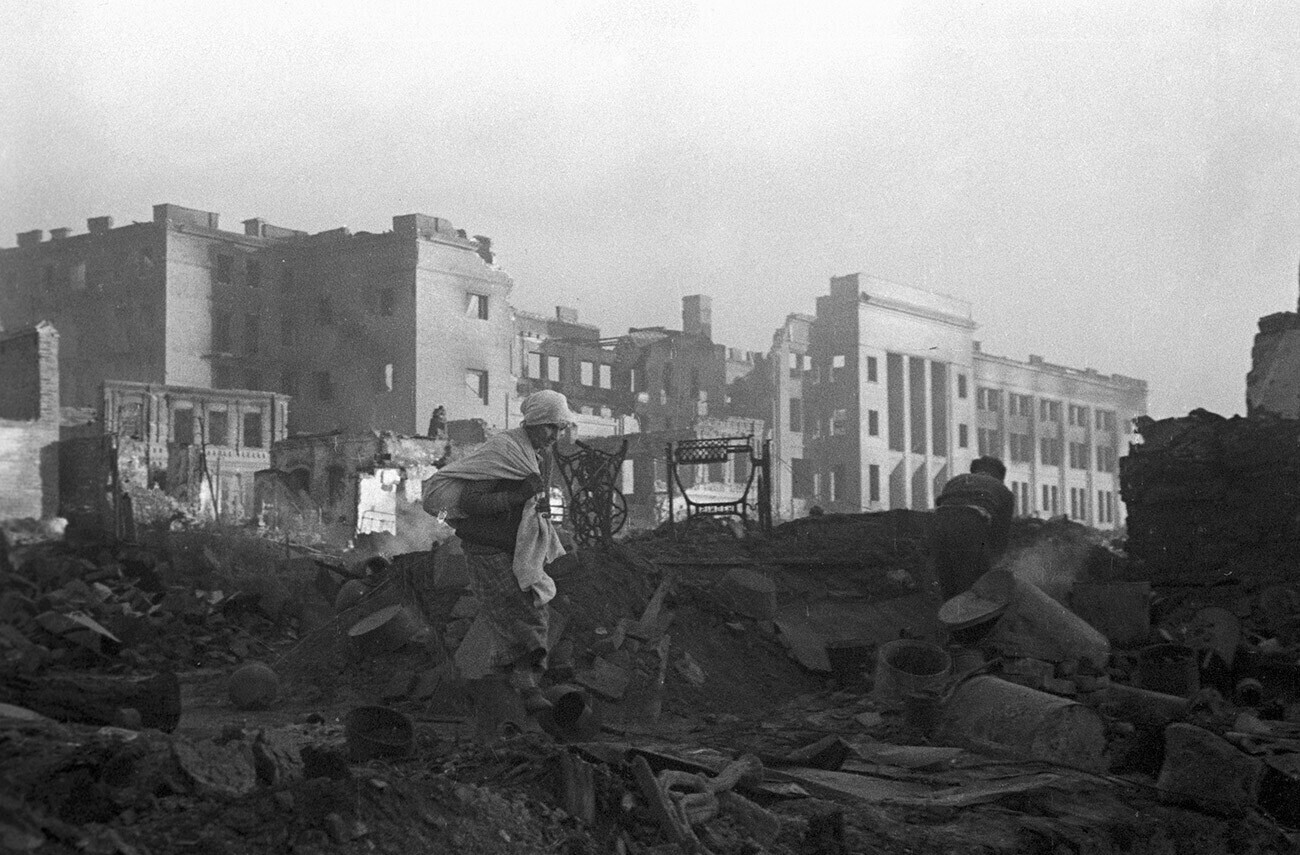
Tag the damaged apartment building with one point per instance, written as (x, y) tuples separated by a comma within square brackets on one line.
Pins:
[(353, 340)]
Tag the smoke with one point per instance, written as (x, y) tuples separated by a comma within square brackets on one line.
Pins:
[(1052, 565)]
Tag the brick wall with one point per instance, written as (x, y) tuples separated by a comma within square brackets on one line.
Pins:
[(29, 422)]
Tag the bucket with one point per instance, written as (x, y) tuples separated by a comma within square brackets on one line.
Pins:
[(384, 631), (906, 667), (989, 712), (1169, 668), (848, 659), (374, 731), (571, 717)]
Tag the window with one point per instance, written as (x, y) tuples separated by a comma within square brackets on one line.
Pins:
[(798, 364), (606, 376), (252, 333), (796, 415), (634, 380), (837, 483), (873, 423), (1105, 458), (386, 375), (1049, 411), (988, 399), (961, 385), (989, 442), (872, 370), (289, 383), (225, 269), (837, 367), (1050, 451), (218, 428), (324, 386), (1105, 420), (840, 422), (183, 426), (253, 275), (476, 382), (1078, 416), (873, 482), (253, 430), (1022, 448), (963, 438), (478, 306), (1079, 455), (553, 368), (221, 333), (1021, 405), (534, 366), (387, 302), (587, 373), (288, 332), (325, 312)]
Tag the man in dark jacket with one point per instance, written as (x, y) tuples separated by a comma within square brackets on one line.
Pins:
[(972, 524)]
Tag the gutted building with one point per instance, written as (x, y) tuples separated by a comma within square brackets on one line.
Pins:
[(29, 422), (364, 331), (884, 395)]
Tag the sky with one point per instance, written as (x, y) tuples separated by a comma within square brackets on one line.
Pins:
[(1110, 185)]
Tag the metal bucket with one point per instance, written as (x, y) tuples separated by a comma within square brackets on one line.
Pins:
[(986, 712), (907, 667)]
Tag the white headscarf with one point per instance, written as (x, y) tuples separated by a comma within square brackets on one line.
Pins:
[(547, 408)]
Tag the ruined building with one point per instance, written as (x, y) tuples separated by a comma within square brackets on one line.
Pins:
[(364, 331), (884, 394), (29, 422)]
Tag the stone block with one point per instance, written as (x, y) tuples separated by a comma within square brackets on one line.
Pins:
[(1205, 769), (750, 593)]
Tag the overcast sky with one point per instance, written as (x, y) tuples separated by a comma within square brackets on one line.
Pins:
[(1113, 185)]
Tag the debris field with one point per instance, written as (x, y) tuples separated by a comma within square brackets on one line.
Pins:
[(208, 690)]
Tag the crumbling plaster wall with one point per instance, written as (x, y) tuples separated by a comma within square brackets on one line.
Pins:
[(29, 422)]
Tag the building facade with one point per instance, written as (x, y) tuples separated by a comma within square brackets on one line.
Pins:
[(29, 422), (364, 331), (884, 395)]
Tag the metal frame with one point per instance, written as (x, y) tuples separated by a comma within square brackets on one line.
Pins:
[(696, 452), (596, 507)]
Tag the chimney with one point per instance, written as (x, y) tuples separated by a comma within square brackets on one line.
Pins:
[(255, 227), (99, 225), (566, 314), (30, 238), (697, 316), (59, 234)]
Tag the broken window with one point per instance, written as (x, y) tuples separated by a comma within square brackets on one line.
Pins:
[(324, 386), (961, 385), (873, 423), (225, 269), (478, 306), (476, 382), (386, 378), (963, 437), (606, 376), (253, 277), (533, 365), (218, 428), (553, 368), (872, 369), (837, 367), (587, 372), (221, 333), (840, 422), (873, 483), (252, 333), (253, 430), (183, 426)]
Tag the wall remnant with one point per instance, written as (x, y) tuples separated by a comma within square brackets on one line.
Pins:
[(29, 422)]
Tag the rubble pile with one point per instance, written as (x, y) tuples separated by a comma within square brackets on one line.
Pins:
[(1213, 497)]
